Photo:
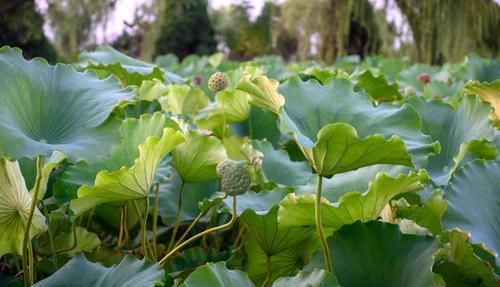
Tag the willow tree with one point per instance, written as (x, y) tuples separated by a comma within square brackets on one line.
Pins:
[(341, 26), (300, 18), (445, 30), (334, 28), (74, 21)]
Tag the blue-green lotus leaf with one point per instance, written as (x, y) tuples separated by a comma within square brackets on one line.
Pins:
[(309, 106), (47, 108), (128, 70), (454, 129), (378, 254), (278, 167), (131, 272), (217, 275), (315, 278), (473, 196)]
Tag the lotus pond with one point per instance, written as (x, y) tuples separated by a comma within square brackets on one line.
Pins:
[(208, 172)]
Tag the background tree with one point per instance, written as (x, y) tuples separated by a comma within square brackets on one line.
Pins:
[(446, 30), (73, 23), (22, 26), (186, 29)]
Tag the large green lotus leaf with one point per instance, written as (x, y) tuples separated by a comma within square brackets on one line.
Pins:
[(377, 87), (378, 254), (339, 149), (352, 206), (315, 278), (128, 70), (184, 100), (278, 167), (133, 132), (460, 267), (15, 203), (128, 183), (260, 203), (47, 108), (233, 104), (196, 159), (263, 92), (452, 128), (131, 272), (489, 92), (473, 196), (428, 215), (217, 275), (356, 180), (309, 106), (269, 240)]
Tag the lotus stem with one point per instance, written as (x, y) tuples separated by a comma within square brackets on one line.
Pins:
[(201, 234), (155, 218), (177, 218), (198, 217), (142, 222), (122, 227), (319, 225), (51, 238), (28, 278)]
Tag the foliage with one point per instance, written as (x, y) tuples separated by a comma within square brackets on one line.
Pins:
[(177, 31), (124, 173)]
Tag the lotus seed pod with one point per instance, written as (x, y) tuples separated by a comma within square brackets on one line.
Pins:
[(424, 78), (218, 82), (224, 166), (235, 179)]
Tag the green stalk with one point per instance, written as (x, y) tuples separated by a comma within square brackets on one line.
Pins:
[(189, 229), (143, 223), (155, 218), (51, 238), (203, 233), (28, 280), (319, 225), (122, 227), (177, 218), (31, 265)]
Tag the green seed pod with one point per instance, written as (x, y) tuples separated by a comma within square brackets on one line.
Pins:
[(235, 179), (218, 82)]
